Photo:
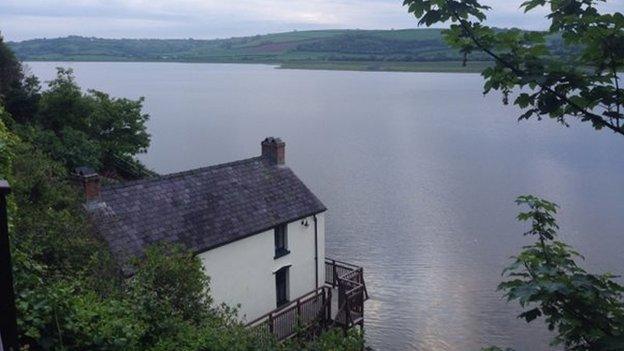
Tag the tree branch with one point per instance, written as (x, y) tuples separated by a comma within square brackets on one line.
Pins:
[(617, 89), (564, 307), (596, 119)]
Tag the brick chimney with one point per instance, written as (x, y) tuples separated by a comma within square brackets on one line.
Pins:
[(274, 149), (90, 181)]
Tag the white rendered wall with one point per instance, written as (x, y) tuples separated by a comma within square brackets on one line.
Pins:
[(242, 272)]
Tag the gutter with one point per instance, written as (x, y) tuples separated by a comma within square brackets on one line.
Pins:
[(316, 284)]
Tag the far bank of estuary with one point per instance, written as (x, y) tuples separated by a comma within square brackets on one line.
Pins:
[(408, 50), (376, 66), (365, 66)]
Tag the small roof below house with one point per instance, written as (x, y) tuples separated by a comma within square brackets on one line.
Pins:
[(202, 208)]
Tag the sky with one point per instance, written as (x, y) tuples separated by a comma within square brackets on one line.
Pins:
[(208, 19)]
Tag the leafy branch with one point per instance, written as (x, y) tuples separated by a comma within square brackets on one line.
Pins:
[(586, 310), (582, 82)]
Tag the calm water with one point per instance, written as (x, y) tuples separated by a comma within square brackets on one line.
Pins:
[(419, 172)]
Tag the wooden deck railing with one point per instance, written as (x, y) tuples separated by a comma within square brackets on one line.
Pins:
[(312, 312), (351, 292), (308, 313), (335, 269)]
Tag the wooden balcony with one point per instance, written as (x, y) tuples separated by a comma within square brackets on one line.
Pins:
[(348, 279), (340, 303), (308, 314)]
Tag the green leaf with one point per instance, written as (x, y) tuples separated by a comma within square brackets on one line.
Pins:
[(531, 315)]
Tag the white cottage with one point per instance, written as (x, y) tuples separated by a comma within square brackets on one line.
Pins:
[(259, 231)]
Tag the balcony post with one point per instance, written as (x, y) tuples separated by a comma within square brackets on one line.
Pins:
[(329, 303), (271, 325), (334, 277), (347, 313), (298, 321), (8, 324), (323, 309)]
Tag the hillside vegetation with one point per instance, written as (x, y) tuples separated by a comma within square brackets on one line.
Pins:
[(422, 49), (333, 45)]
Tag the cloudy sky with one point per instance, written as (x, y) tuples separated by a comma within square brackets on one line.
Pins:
[(205, 19)]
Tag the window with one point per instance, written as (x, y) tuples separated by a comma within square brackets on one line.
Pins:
[(281, 241), (281, 286)]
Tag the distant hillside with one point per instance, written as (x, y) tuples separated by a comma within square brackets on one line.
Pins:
[(327, 45), (374, 50)]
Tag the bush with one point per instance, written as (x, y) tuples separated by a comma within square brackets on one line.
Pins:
[(71, 147), (87, 129), (331, 340)]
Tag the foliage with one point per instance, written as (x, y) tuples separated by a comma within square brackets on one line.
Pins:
[(75, 128), (23, 99), (18, 92), (50, 225), (61, 315), (331, 340), (71, 147), (584, 86), (70, 294), (10, 69), (585, 310), (169, 288), (87, 129), (7, 143)]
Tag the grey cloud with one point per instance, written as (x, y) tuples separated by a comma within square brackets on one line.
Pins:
[(83, 10), (24, 19)]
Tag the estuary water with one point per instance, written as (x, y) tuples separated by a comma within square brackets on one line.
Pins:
[(419, 172)]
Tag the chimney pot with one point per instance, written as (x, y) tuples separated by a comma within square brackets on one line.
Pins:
[(90, 182), (274, 149)]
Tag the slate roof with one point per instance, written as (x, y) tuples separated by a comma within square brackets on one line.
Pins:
[(202, 208)]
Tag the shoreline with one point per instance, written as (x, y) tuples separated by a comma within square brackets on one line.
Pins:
[(379, 66), (357, 66)]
